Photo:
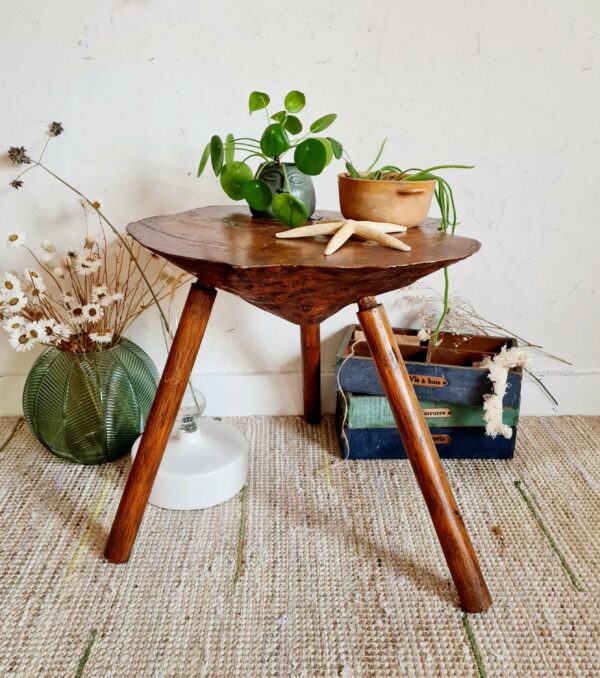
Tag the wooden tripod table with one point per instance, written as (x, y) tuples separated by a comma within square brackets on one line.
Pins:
[(227, 249)]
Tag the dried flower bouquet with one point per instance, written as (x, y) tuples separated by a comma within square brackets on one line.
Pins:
[(96, 291), (82, 299)]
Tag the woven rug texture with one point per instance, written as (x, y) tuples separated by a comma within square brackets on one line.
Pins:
[(318, 568)]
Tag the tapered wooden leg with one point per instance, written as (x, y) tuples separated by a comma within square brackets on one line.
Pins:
[(160, 423), (310, 338), (458, 550)]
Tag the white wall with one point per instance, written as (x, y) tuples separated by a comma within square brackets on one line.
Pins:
[(512, 87)]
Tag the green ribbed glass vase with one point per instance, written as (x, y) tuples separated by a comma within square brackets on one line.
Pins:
[(90, 407)]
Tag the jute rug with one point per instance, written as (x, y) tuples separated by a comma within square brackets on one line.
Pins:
[(318, 568)]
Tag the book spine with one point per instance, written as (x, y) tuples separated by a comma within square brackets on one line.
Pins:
[(374, 412), (451, 443)]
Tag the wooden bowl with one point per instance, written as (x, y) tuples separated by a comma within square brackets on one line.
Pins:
[(396, 202)]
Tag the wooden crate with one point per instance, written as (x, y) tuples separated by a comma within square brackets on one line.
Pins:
[(450, 391), (438, 374)]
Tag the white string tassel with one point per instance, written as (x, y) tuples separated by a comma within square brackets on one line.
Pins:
[(498, 367)]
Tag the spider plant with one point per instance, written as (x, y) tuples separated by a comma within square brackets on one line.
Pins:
[(443, 195)]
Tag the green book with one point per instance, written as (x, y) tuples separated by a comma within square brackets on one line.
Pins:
[(371, 411)]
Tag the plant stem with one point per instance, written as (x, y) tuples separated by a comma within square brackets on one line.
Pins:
[(434, 337), (377, 156), (255, 155), (285, 177)]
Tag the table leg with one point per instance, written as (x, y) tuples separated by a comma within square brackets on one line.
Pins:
[(310, 338), (456, 545), (160, 423)]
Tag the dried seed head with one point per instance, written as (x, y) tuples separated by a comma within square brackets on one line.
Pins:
[(18, 155), (16, 183), (55, 128)]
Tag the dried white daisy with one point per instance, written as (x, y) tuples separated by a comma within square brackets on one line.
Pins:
[(15, 303), (61, 331), (10, 284), (76, 312), (20, 341), (100, 294), (34, 277), (17, 322), (87, 263), (71, 253), (58, 272), (102, 337), (92, 312), (46, 332), (96, 204), (15, 239), (33, 330), (38, 291), (48, 246), (117, 296), (46, 258)]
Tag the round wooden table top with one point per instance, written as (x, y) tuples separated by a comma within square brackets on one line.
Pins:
[(227, 248)]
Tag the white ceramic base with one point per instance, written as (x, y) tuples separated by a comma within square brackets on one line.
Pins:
[(200, 469)]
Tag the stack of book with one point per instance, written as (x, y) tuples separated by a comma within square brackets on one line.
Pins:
[(450, 388)]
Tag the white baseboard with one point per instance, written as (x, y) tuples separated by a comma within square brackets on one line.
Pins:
[(281, 393)]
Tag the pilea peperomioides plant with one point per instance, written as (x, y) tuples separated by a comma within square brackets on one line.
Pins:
[(278, 189)]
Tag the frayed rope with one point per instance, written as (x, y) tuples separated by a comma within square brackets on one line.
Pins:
[(498, 367)]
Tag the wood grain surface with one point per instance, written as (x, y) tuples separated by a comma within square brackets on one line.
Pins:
[(310, 342), (227, 248), (421, 451), (161, 418)]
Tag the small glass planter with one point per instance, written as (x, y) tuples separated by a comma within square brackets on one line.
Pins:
[(90, 407)]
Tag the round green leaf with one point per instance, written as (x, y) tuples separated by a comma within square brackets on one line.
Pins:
[(257, 194), (230, 150), (234, 177), (294, 101), (274, 140), (293, 125), (216, 154), (337, 147), (311, 156), (257, 101), (204, 159), (328, 149), (279, 117), (289, 210), (323, 123)]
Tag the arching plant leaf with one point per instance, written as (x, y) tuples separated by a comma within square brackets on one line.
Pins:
[(323, 123), (293, 124), (204, 159), (216, 154), (289, 210), (274, 140), (311, 156), (257, 194), (257, 101), (229, 149), (337, 147), (234, 177), (294, 101)]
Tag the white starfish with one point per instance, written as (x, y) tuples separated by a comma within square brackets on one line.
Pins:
[(343, 230)]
